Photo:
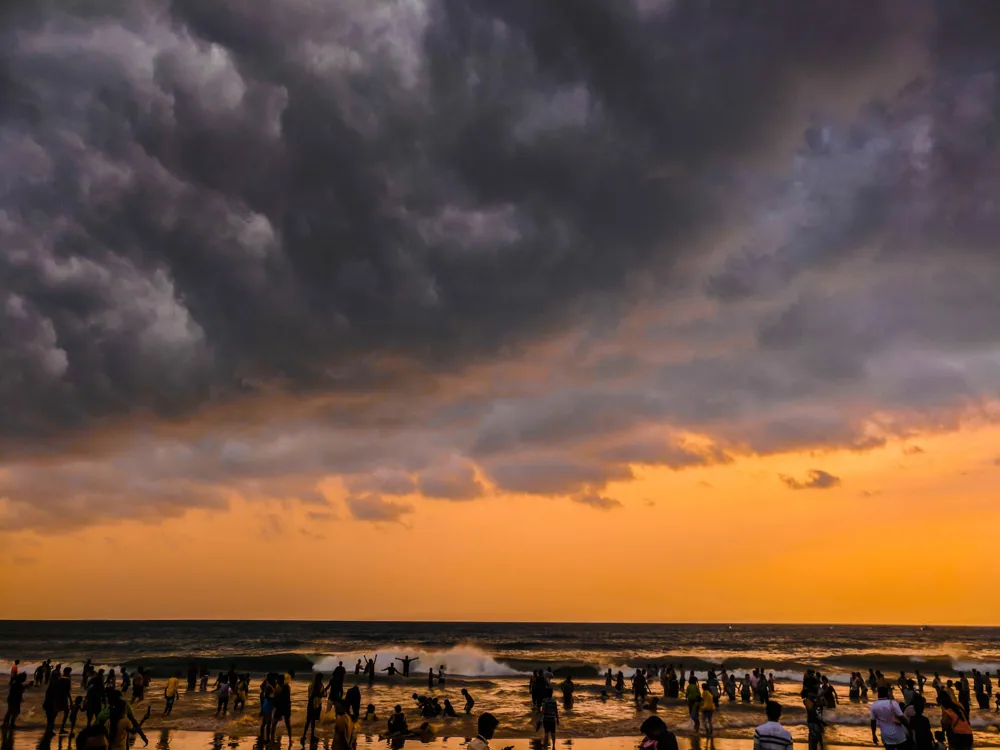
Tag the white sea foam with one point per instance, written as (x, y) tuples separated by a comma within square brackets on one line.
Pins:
[(461, 661)]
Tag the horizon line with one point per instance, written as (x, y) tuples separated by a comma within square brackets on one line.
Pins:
[(732, 623)]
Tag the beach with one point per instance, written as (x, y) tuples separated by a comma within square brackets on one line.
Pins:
[(493, 663), (190, 740)]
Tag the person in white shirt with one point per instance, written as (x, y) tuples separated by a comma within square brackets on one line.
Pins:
[(486, 726), (771, 735), (887, 717)]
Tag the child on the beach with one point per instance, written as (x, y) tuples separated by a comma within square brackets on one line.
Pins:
[(74, 711), (939, 741)]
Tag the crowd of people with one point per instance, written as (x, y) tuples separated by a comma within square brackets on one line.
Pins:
[(106, 699)]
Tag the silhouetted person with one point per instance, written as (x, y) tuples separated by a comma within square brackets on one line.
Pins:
[(407, 661), (353, 702), (486, 726), (658, 737)]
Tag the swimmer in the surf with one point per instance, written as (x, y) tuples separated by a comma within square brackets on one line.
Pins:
[(406, 662), (358, 667), (430, 677), (469, 703), (370, 713), (425, 733), (397, 722), (391, 670), (441, 675)]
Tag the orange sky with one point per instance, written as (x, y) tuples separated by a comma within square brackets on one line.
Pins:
[(895, 543)]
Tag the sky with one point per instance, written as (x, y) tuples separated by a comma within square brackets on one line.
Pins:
[(583, 310)]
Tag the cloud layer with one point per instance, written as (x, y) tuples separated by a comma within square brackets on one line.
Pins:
[(481, 247)]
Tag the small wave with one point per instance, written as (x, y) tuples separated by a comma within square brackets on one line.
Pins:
[(459, 661), (255, 663)]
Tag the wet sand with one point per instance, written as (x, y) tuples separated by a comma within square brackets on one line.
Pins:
[(588, 718), (189, 740)]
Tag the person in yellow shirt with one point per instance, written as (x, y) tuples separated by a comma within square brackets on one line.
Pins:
[(707, 708), (171, 692), (343, 728)]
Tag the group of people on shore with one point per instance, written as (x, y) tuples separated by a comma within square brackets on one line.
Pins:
[(102, 702), (901, 724)]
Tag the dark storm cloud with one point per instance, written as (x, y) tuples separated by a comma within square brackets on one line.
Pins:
[(203, 199), (207, 203), (816, 480)]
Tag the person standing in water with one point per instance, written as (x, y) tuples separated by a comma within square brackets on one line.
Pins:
[(771, 735), (170, 693), (707, 708), (406, 662), (336, 689), (550, 718), (314, 708), (343, 728), (15, 695), (282, 708), (486, 727), (693, 697), (469, 703), (887, 718), (353, 701), (222, 704)]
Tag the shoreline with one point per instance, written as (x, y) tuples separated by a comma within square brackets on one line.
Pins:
[(181, 739)]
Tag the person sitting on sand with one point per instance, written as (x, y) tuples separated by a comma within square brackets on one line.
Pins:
[(424, 733), (449, 710), (370, 713), (657, 736)]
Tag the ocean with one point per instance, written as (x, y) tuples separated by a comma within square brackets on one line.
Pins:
[(493, 661)]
